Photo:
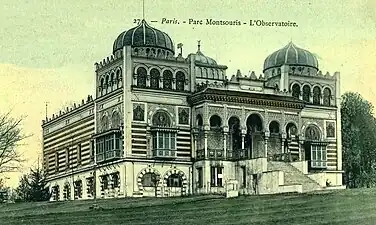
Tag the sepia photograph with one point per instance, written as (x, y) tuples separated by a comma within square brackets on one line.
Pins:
[(187, 112)]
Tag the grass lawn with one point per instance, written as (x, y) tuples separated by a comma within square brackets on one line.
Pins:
[(339, 207)]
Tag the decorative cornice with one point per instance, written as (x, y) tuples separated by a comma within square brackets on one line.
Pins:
[(216, 95)]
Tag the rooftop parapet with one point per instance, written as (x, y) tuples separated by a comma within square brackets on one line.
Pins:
[(74, 107)]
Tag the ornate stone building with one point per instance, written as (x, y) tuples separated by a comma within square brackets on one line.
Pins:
[(164, 125)]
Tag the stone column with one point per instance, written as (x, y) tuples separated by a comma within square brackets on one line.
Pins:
[(225, 136), (194, 152), (148, 79), (301, 150), (267, 134), (243, 143), (205, 143)]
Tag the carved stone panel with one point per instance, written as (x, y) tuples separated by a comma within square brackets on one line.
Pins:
[(183, 115), (234, 112), (330, 129), (216, 111), (138, 112)]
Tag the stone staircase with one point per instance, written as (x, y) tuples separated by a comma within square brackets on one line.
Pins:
[(294, 176)]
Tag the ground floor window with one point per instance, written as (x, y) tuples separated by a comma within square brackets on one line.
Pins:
[(174, 180), (104, 182), (318, 156), (149, 180), (115, 180), (67, 192), (216, 176), (56, 193), (78, 189), (200, 180), (90, 186)]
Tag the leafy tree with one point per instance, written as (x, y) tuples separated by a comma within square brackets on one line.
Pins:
[(33, 187), (358, 141), (10, 138)]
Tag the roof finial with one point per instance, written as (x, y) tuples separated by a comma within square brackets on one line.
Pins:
[(46, 109), (198, 45), (143, 9), (180, 46)]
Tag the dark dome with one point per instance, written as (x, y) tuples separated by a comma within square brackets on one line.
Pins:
[(144, 35), (291, 55)]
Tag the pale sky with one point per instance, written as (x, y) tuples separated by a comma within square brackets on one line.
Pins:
[(48, 48)]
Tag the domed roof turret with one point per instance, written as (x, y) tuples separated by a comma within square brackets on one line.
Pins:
[(143, 35), (201, 58), (291, 55)]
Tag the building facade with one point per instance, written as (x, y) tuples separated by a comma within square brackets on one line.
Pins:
[(162, 125)]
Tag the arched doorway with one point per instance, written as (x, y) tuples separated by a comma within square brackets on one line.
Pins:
[(215, 138), (274, 142), (235, 137), (253, 139), (291, 146)]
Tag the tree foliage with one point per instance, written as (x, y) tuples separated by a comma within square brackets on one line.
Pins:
[(358, 141), (33, 187), (10, 138)]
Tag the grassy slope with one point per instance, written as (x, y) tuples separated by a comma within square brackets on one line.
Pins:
[(342, 207)]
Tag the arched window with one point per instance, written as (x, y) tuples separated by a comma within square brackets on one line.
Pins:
[(215, 122), (254, 123), (67, 192), (118, 78), (295, 91), (112, 80), (274, 127), (306, 93), (56, 193), (141, 77), (101, 87), (199, 121), (174, 180), (291, 130), (235, 132), (180, 81), (316, 95), (107, 81), (167, 80), (78, 189), (155, 77), (327, 96), (149, 180), (164, 136)]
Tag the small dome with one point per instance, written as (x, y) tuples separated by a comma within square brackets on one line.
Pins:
[(291, 55), (201, 58), (144, 35)]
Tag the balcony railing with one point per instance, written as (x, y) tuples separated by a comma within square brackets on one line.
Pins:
[(219, 154), (109, 155), (164, 153)]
